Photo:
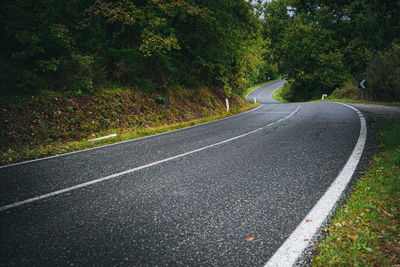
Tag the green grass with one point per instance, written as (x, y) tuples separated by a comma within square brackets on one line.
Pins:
[(248, 91), (366, 230), (277, 96)]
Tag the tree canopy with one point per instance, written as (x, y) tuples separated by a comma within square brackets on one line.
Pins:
[(81, 45), (321, 44)]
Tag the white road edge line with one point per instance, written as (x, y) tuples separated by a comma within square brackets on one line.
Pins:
[(65, 190), (291, 250), (128, 141)]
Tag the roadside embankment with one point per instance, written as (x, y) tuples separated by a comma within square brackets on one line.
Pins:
[(366, 230), (51, 124)]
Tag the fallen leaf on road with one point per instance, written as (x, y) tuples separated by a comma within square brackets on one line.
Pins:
[(250, 239), (308, 220), (307, 239)]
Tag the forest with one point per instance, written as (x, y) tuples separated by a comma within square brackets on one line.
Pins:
[(319, 46)]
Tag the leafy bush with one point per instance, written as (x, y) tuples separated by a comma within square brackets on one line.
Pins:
[(310, 60), (350, 90), (161, 100), (286, 92), (383, 75)]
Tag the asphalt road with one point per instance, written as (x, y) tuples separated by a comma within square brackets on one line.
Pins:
[(222, 183)]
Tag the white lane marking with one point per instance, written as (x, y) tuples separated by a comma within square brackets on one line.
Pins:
[(65, 190), (129, 141), (295, 244)]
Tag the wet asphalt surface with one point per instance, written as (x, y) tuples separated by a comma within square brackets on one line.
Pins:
[(195, 210)]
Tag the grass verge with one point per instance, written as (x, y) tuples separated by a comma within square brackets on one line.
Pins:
[(357, 101), (248, 91), (277, 96), (366, 230)]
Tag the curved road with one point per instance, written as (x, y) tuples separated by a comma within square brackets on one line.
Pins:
[(264, 93), (224, 193)]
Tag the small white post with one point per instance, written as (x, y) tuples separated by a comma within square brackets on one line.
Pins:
[(255, 100), (323, 96), (227, 104)]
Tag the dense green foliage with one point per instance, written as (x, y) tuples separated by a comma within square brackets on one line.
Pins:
[(320, 45), (81, 45), (383, 74)]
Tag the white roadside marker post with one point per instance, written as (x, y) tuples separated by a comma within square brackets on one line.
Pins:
[(255, 100), (227, 104), (323, 96)]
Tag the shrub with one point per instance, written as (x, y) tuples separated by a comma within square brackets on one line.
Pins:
[(350, 90), (286, 92), (383, 75)]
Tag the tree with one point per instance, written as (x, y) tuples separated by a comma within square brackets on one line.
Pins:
[(383, 75), (320, 43), (310, 59)]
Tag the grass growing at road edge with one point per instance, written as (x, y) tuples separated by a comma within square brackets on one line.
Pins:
[(277, 96), (358, 101), (366, 230), (248, 91)]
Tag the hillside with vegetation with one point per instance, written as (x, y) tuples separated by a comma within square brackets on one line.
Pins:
[(74, 70), (46, 125)]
